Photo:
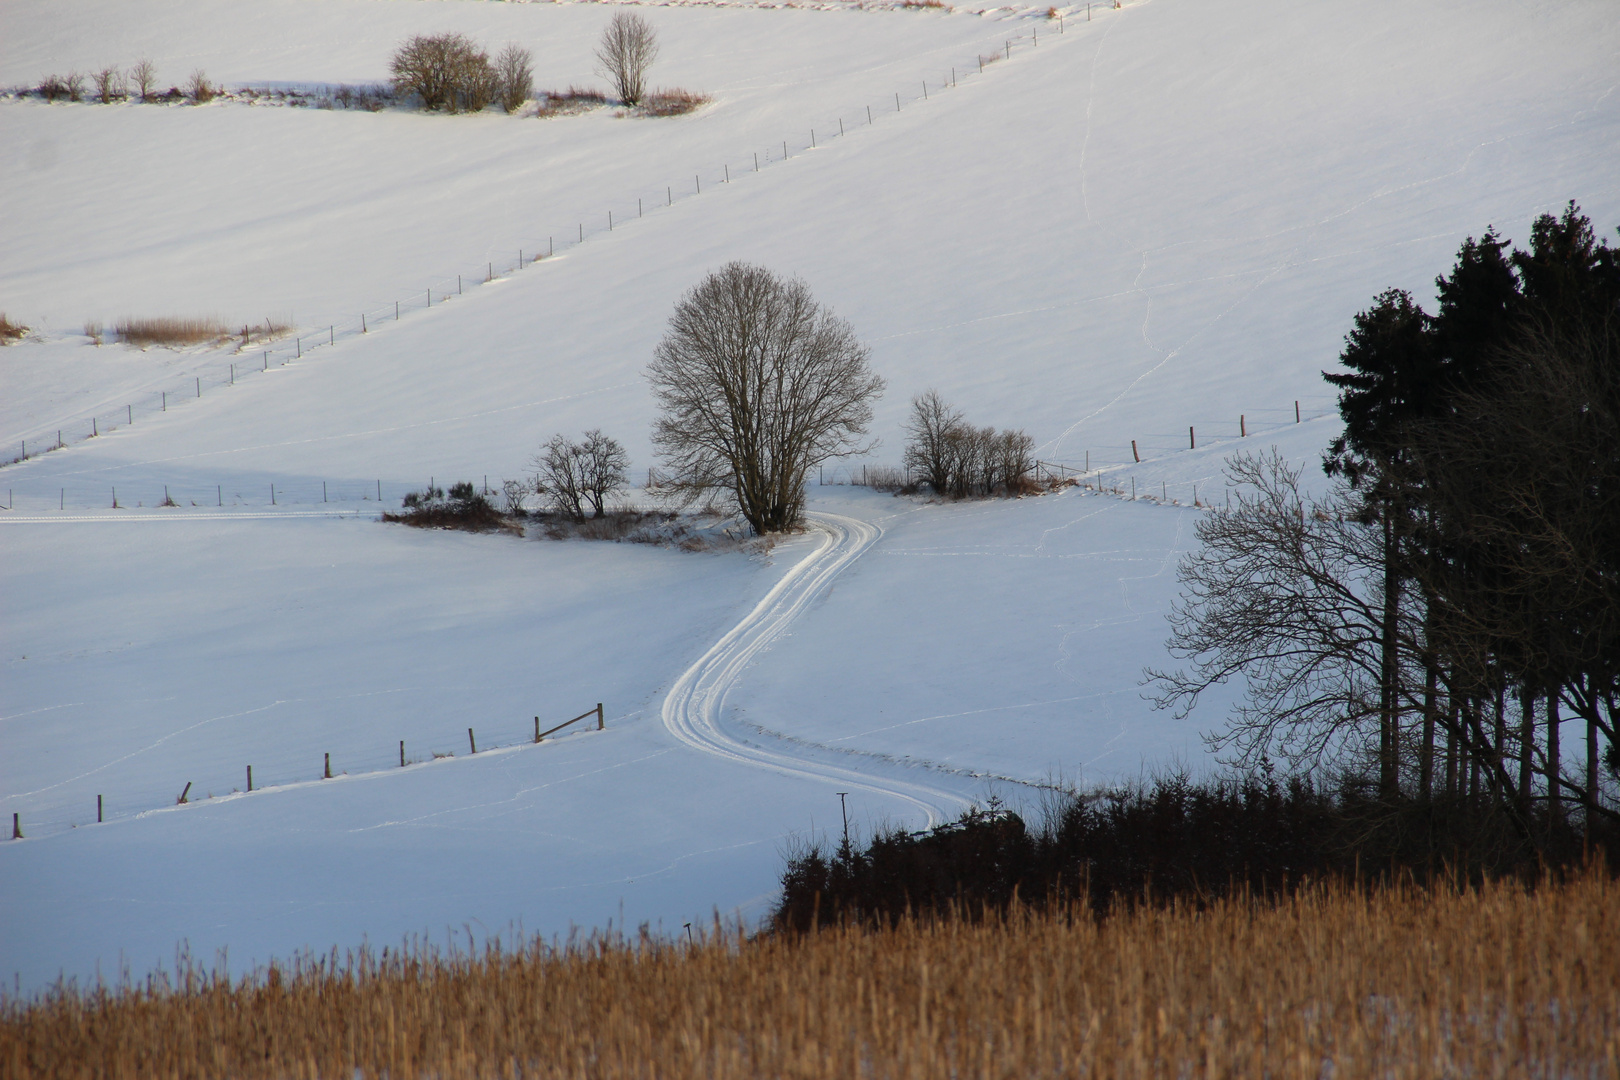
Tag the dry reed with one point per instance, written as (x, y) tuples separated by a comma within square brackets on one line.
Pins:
[(10, 331), (1398, 982), (170, 331), (674, 102)]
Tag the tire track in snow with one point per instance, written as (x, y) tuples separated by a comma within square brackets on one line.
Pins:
[(693, 708)]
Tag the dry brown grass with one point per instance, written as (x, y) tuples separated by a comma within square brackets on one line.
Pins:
[(673, 102), (1397, 983), (170, 331), (568, 102), (10, 331)]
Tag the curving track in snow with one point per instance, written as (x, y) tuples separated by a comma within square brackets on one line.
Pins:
[(695, 704)]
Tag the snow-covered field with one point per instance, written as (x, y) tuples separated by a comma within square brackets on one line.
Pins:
[(1161, 218)]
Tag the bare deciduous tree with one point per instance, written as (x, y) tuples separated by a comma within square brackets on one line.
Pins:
[(109, 85), (514, 77), (446, 70), (928, 435), (605, 469), (628, 47), (144, 76), (758, 384), (574, 475), (515, 491), (559, 478), (1282, 593), (955, 458)]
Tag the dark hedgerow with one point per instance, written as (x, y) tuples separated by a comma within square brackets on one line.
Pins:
[(1176, 840), (464, 508)]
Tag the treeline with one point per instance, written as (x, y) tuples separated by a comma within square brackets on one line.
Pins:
[(1455, 598), (1170, 841)]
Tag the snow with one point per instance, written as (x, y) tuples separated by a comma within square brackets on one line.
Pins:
[(1161, 219)]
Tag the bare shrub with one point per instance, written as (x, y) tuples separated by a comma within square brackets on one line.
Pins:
[(757, 384), (476, 83), (956, 459), (570, 101), (53, 88), (924, 5), (574, 476), (93, 331), (628, 47), (674, 102), (144, 76), (110, 85), (437, 68), (75, 86), (514, 77), (1015, 452), (464, 508), (199, 89), (10, 331), (515, 492), (169, 331)]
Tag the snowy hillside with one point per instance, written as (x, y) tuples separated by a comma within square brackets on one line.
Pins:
[(1157, 219)]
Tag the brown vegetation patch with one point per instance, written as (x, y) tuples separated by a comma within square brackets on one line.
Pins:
[(1495, 981), (10, 331), (568, 102), (463, 509), (673, 102), (170, 331)]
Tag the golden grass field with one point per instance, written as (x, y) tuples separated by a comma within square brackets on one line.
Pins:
[(1402, 982)]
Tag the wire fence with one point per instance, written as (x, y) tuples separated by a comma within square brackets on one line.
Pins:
[(142, 789), (261, 493), (256, 358)]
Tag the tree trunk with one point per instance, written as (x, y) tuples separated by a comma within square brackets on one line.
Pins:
[(1426, 755), (1591, 768), (1453, 772), (1499, 749), (1527, 745), (1388, 718), (1553, 721)]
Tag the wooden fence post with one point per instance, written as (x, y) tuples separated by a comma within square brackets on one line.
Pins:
[(598, 716), (250, 779), (1243, 426), (1192, 441), (1137, 457), (16, 826), (327, 769), (402, 753), (471, 742)]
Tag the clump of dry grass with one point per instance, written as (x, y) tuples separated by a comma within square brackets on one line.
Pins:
[(568, 102), (1500, 980), (10, 331), (923, 5), (673, 102), (171, 331)]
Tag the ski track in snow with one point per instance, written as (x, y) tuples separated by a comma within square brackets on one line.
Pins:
[(693, 709)]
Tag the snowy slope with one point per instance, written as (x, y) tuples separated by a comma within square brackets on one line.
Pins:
[(1160, 220)]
